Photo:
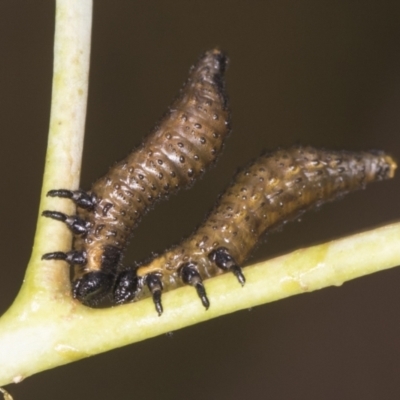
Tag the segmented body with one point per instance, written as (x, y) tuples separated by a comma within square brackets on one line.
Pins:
[(184, 143), (271, 190)]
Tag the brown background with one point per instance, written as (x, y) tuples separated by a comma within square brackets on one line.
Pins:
[(313, 72)]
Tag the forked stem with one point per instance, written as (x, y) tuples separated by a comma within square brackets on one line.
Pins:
[(45, 328)]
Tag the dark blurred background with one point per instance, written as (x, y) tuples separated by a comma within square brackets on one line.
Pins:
[(311, 72)]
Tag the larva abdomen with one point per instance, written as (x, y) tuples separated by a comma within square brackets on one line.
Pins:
[(271, 190)]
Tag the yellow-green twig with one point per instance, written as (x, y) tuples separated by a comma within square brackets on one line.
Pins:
[(45, 328)]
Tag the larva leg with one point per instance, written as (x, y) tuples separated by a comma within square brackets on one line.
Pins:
[(79, 197), (190, 276), (226, 262), (155, 286), (71, 257), (76, 224)]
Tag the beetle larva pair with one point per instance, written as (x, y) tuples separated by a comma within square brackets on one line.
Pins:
[(271, 190), (178, 150)]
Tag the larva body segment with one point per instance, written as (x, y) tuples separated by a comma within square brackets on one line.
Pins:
[(271, 190), (179, 149)]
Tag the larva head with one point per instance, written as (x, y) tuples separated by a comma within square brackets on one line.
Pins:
[(127, 286), (92, 287)]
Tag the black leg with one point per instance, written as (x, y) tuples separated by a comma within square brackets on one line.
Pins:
[(154, 283), (76, 224), (72, 257), (190, 276), (225, 261), (79, 197)]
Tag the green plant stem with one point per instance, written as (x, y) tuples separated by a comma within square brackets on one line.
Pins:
[(45, 327)]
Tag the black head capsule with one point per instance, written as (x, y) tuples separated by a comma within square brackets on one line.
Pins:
[(92, 287), (190, 276), (127, 286), (155, 286), (226, 262)]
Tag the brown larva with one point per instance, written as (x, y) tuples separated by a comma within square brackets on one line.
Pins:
[(178, 150), (271, 190)]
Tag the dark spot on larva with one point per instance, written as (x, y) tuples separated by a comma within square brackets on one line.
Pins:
[(215, 116), (184, 118), (173, 174), (141, 177), (131, 169), (160, 162), (98, 229), (213, 151), (181, 159), (202, 140), (190, 172), (180, 144), (160, 175), (196, 157), (106, 208), (197, 126), (168, 136)]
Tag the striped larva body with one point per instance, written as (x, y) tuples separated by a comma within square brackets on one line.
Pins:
[(184, 143), (271, 190)]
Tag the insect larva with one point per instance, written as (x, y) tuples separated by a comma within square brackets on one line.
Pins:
[(271, 190), (179, 149)]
